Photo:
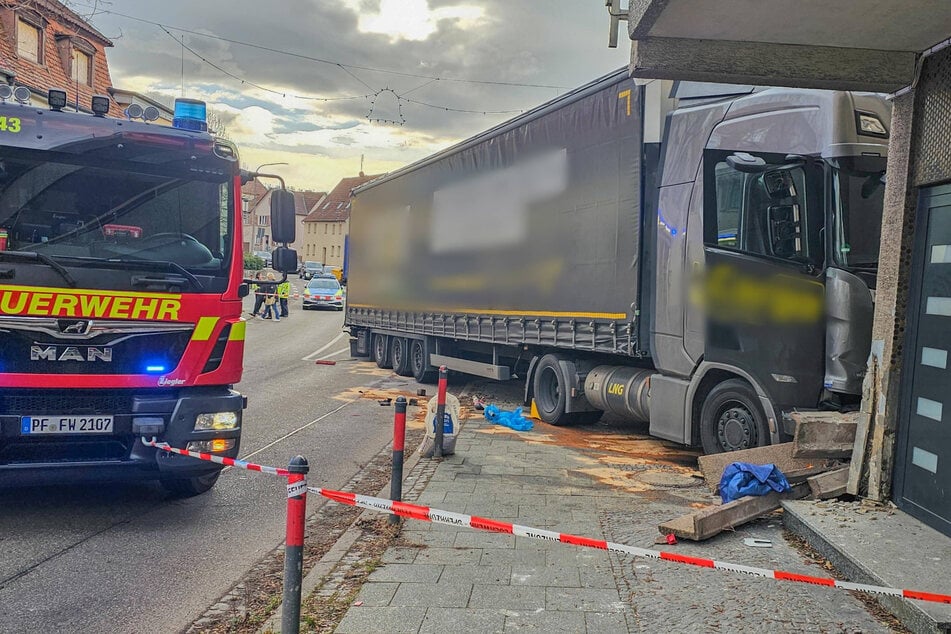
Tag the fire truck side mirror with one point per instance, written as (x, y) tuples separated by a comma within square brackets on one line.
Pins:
[(284, 260), (283, 217)]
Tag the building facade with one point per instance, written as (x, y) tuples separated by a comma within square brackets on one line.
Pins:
[(327, 226), (44, 45), (256, 214)]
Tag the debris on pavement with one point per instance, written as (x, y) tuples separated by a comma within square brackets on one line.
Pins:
[(511, 419), (712, 520), (755, 542), (806, 467), (741, 479)]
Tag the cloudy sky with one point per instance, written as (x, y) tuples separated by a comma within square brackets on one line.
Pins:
[(390, 61)]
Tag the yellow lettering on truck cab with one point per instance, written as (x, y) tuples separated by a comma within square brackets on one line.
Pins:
[(63, 302)]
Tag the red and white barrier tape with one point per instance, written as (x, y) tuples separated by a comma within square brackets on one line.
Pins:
[(427, 514), (230, 462)]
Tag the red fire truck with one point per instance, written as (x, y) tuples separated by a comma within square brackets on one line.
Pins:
[(120, 294)]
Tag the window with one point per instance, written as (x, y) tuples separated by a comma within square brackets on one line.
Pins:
[(82, 67), (325, 229), (774, 212), (262, 221), (333, 230), (29, 41)]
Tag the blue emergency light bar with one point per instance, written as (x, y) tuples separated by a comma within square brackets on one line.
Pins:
[(190, 114)]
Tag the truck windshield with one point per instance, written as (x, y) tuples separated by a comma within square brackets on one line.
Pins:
[(859, 200), (78, 213)]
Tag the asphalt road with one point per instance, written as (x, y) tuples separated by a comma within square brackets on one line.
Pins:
[(127, 558)]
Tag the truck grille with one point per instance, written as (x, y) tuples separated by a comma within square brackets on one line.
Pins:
[(39, 346), (52, 450), (62, 402)]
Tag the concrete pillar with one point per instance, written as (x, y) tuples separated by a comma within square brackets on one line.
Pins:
[(874, 456)]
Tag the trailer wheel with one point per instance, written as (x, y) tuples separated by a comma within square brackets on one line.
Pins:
[(732, 419), (381, 353), (551, 392), (399, 356), (419, 363), (189, 487)]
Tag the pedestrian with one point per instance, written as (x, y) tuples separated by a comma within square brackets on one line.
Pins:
[(258, 293), (270, 299), (283, 294)]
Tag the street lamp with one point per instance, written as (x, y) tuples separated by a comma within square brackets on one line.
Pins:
[(266, 164)]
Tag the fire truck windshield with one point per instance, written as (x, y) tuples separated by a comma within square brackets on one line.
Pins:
[(80, 211)]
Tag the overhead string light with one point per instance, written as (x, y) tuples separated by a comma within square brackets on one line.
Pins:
[(399, 109), (245, 82), (348, 68)]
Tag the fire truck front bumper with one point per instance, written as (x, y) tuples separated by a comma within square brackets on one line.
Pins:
[(42, 448)]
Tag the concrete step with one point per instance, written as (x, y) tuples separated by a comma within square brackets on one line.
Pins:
[(884, 547)]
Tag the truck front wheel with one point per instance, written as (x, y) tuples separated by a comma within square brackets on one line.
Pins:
[(732, 419), (188, 487)]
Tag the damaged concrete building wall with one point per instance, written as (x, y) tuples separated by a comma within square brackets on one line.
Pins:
[(918, 155)]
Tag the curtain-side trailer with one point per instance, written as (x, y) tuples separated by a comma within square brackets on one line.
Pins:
[(700, 257)]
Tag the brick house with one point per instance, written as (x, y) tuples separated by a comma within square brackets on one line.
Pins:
[(328, 224), (256, 207), (44, 44)]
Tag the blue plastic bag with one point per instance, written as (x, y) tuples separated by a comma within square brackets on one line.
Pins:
[(513, 419), (740, 479)]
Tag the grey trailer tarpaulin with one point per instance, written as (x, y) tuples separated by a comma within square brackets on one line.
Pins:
[(536, 219)]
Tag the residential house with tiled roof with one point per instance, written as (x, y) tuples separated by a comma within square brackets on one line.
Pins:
[(44, 44), (328, 224), (256, 208)]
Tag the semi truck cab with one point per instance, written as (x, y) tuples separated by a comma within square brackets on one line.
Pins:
[(769, 216)]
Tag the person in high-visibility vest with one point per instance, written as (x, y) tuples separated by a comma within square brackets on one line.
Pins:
[(258, 293), (283, 294)]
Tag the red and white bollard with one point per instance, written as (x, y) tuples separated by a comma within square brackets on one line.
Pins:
[(440, 411), (399, 443), (294, 544)]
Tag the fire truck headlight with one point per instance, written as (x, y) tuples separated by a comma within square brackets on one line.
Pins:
[(218, 420), (211, 446)]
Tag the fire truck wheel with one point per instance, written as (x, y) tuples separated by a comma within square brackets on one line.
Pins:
[(188, 487)]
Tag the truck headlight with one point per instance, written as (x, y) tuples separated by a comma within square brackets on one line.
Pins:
[(218, 420)]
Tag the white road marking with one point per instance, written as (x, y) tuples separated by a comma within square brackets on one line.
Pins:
[(330, 343), (292, 433), (338, 352)]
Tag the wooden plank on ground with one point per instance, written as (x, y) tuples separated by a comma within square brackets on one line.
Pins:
[(712, 520), (830, 484), (800, 475), (824, 434), (712, 466), (857, 466)]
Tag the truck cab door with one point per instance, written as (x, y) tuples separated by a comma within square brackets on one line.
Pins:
[(762, 287)]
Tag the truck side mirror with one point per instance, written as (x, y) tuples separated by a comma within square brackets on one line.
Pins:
[(785, 238), (779, 184), (284, 260), (746, 163), (283, 216)]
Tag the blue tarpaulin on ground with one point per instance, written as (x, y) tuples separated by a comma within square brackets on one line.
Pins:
[(513, 419), (740, 479)]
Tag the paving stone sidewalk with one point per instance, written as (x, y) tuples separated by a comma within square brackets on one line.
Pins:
[(444, 578)]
